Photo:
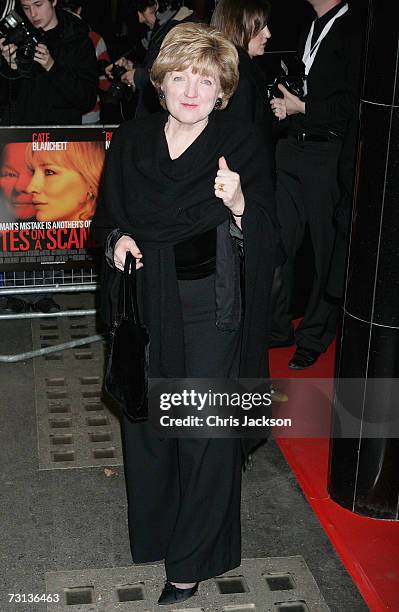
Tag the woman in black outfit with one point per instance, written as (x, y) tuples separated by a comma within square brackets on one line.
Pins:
[(176, 186), (244, 22)]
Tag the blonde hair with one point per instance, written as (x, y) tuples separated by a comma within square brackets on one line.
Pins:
[(86, 158), (203, 49)]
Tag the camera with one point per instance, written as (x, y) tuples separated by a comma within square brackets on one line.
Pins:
[(293, 84), (292, 76), (118, 90), (15, 31)]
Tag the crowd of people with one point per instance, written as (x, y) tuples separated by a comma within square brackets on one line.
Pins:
[(213, 214)]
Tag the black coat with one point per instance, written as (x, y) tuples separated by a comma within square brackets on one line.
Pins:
[(249, 102), (68, 90), (162, 205)]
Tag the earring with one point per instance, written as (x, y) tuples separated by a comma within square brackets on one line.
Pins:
[(218, 103), (161, 96), (90, 195)]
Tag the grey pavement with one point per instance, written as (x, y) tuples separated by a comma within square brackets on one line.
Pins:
[(74, 520)]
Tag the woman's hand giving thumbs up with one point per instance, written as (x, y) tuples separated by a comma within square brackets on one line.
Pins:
[(228, 188)]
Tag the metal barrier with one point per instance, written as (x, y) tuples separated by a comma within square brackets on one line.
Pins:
[(48, 241), (20, 283)]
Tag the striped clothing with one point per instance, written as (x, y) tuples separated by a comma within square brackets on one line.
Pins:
[(103, 83)]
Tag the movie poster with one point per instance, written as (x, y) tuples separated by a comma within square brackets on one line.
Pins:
[(49, 185)]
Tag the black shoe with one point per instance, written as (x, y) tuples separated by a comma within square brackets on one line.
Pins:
[(46, 305), (15, 306), (171, 594), (303, 358)]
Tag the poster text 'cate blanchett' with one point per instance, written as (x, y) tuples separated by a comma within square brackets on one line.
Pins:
[(49, 185)]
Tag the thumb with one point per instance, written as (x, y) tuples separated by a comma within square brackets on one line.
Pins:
[(223, 164), (283, 89)]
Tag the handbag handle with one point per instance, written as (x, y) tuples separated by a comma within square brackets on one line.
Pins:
[(129, 304)]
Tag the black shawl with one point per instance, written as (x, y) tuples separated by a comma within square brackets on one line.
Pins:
[(161, 202)]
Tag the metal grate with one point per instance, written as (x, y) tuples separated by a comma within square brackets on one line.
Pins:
[(244, 589), (75, 426)]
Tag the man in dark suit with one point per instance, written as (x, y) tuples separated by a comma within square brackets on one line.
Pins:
[(307, 163)]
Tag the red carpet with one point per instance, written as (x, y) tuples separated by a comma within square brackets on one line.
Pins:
[(368, 548)]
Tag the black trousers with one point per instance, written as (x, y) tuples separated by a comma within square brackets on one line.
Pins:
[(307, 193), (184, 494)]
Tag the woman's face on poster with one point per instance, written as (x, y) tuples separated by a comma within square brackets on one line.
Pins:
[(59, 193), (15, 177)]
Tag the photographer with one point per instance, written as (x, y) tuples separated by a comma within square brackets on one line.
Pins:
[(51, 82), (136, 76), (59, 84)]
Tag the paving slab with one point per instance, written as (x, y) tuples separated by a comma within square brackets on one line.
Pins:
[(56, 520), (75, 427), (277, 584)]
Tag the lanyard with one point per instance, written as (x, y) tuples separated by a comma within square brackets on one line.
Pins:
[(310, 52)]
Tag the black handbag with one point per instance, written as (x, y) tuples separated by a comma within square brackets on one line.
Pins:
[(126, 377)]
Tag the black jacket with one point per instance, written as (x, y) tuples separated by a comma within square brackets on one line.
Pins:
[(333, 81), (249, 101), (68, 90)]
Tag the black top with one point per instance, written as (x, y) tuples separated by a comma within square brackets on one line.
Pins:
[(68, 90), (322, 21), (333, 81), (161, 205), (196, 258)]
